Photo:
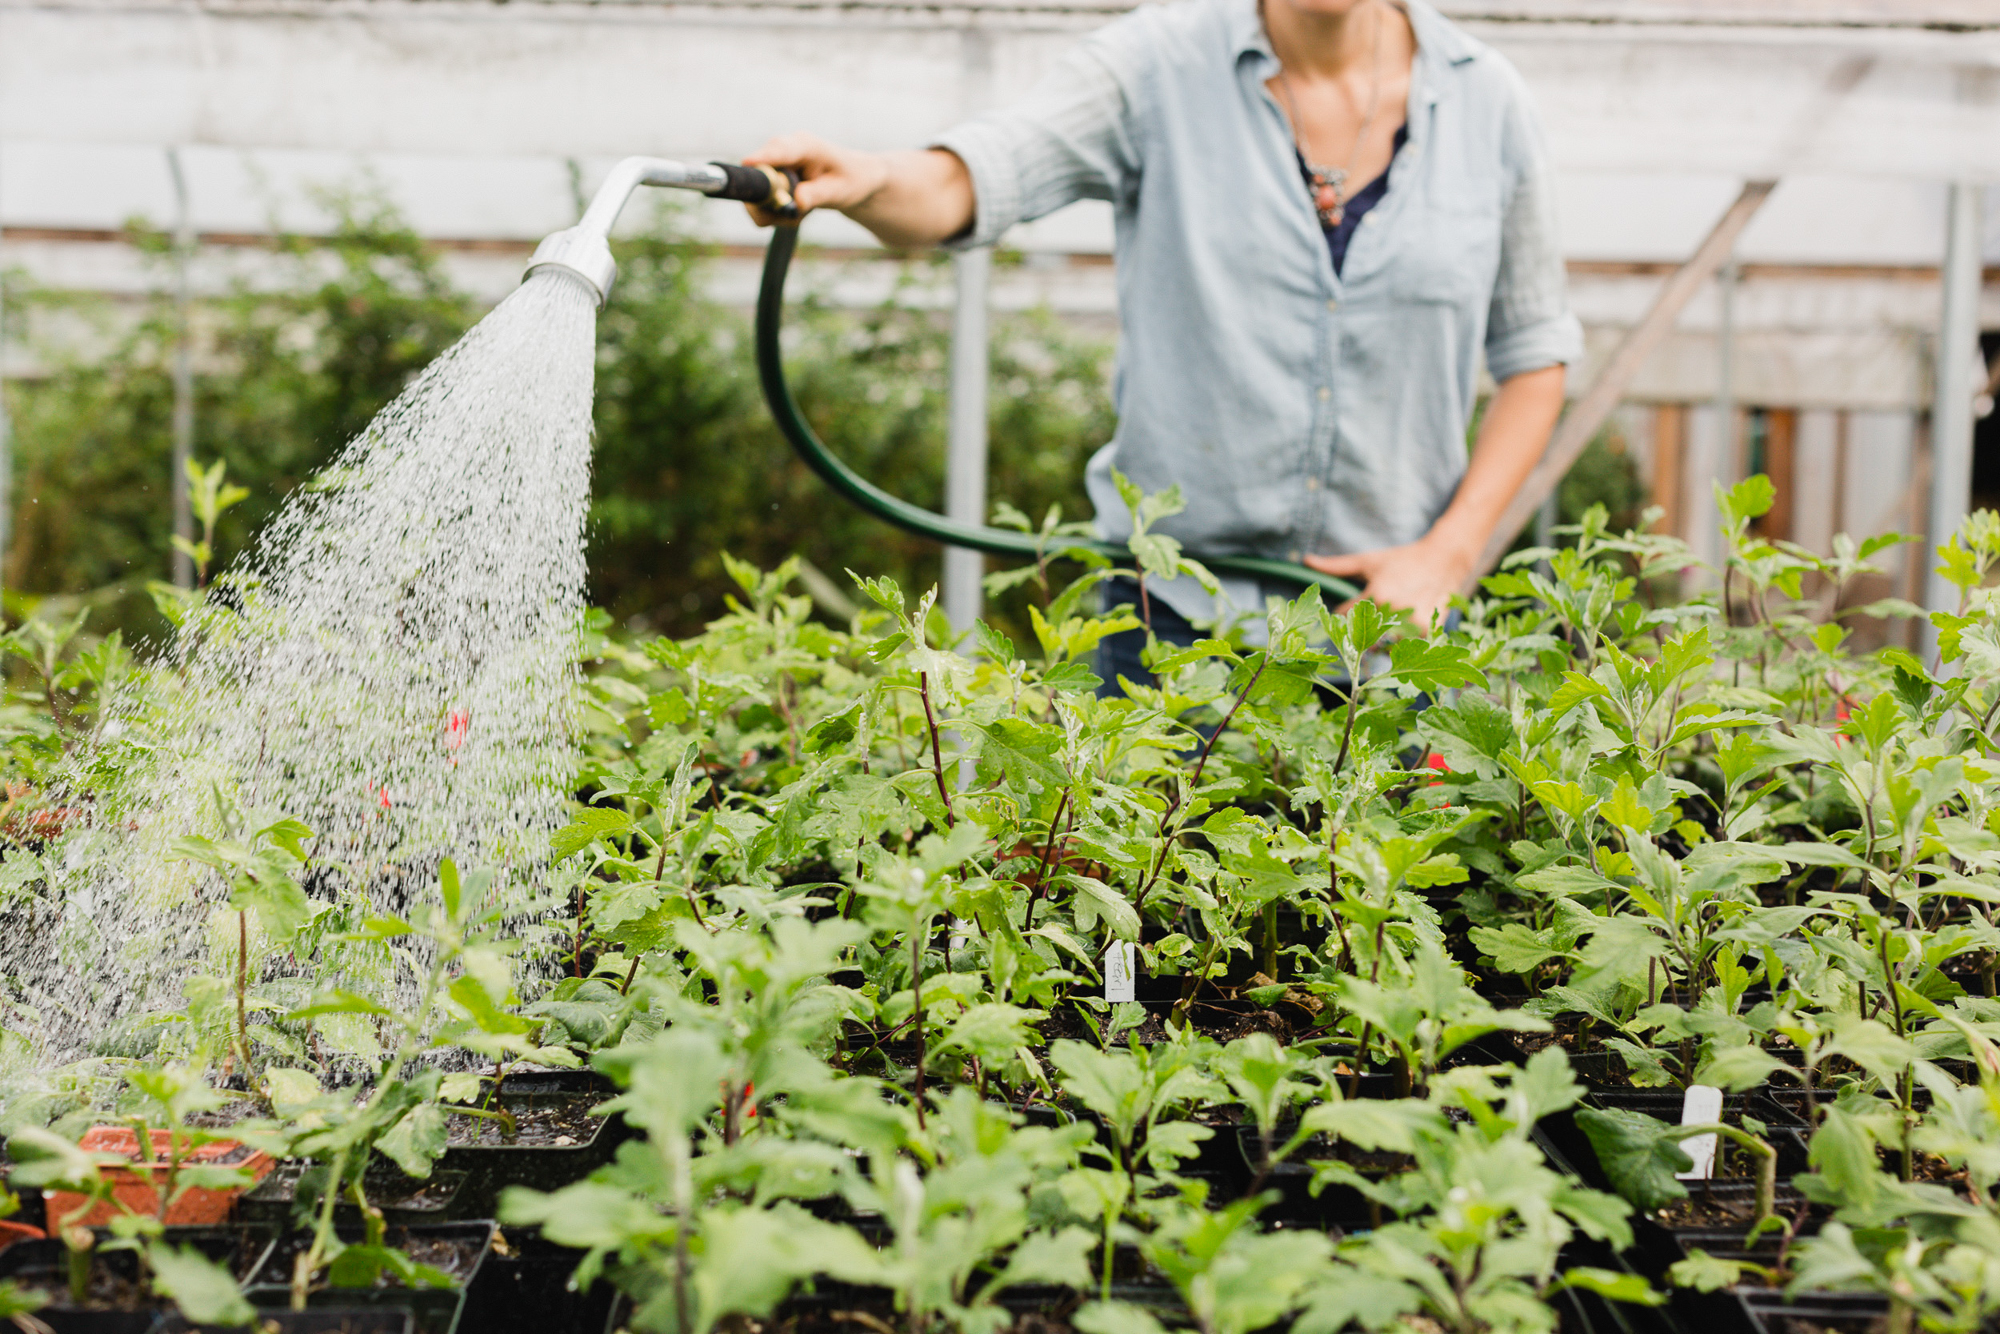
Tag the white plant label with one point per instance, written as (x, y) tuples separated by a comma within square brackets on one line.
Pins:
[(1120, 971), (1701, 1107)]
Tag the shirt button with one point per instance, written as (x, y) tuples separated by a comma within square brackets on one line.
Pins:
[(1333, 305), (1324, 393), (1312, 483)]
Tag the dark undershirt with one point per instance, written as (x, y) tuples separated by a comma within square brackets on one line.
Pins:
[(1358, 203)]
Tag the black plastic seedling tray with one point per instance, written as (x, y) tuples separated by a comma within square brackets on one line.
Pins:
[(44, 1264), (524, 1289), (431, 1310)]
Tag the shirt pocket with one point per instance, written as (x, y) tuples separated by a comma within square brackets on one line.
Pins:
[(1446, 254)]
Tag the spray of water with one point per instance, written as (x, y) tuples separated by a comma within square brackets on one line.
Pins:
[(398, 671)]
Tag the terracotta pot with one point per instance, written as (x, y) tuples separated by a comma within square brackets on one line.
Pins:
[(13, 1232), (137, 1187)]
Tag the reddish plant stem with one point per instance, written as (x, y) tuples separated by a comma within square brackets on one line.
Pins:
[(242, 986), (937, 752), (917, 1009), (1042, 869), (1194, 782)]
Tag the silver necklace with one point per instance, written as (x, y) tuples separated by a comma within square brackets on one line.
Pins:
[(1328, 183)]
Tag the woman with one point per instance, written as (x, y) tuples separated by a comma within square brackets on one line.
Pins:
[(1327, 212)]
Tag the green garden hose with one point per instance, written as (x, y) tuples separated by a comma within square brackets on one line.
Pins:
[(913, 518)]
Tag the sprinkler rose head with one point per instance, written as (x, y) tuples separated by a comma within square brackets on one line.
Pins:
[(583, 254)]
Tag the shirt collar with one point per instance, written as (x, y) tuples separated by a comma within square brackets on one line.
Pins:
[(1437, 39)]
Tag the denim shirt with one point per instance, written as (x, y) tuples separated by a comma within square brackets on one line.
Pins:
[(1300, 410)]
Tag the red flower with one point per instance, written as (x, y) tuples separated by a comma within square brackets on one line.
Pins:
[(455, 728)]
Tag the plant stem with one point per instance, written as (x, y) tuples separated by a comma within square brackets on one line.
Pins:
[(1767, 1162), (917, 1007), (1346, 733), (242, 986), (937, 752), (1042, 866), (1194, 783), (307, 1263), (683, 1216)]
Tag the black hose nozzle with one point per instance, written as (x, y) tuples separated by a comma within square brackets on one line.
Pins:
[(763, 187)]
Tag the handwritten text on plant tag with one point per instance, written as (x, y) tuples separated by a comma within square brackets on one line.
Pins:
[(1120, 968)]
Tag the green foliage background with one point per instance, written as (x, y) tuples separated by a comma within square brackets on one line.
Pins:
[(687, 466)]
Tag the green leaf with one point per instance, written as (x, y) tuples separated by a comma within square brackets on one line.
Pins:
[(340, 1002), (1116, 910), (415, 1142), (1637, 1154), (1431, 665), (590, 825), (1072, 676), (1704, 1272), (833, 732), (288, 1088), (1612, 1286), (584, 1215), (1738, 1068), (1562, 881), (1871, 1045), (1116, 1318), (204, 1291), (1575, 689), (1373, 1124), (278, 904), (1514, 948), (43, 1158), (461, 1086), (1027, 753), (1749, 499), (1050, 1257)]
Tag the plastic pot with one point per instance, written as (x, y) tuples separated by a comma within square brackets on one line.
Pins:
[(461, 1249), (523, 1288), (327, 1320), (402, 1199), (138, 1187), (1769, 1311), (119, 1305), (488, 1169), (1728, 1240), (1336, 1208)]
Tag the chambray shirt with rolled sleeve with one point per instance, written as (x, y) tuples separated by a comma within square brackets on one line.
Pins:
[(1300, 410)]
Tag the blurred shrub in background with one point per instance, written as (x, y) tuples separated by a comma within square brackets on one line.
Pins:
[(688, 464)]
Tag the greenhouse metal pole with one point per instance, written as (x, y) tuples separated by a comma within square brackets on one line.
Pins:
[(965, 449), (965, 457), (183, 454), (1951, 410)]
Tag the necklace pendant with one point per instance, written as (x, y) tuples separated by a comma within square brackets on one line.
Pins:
[(1330, 217)]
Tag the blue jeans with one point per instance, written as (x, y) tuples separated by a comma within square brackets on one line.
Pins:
[(1118, 655)]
